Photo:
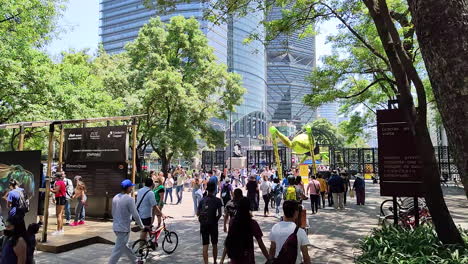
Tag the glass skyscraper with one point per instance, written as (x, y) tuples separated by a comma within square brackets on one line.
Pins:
[(122, 19), (290, 62)]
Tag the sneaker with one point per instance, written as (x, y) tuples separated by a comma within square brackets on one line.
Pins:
[(67, 222), (56, 233), (62, 232), (81, 222), (74, 224)]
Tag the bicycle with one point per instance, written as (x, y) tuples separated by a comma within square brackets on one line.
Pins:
[(142, 247), (407, 218), (403, 204)]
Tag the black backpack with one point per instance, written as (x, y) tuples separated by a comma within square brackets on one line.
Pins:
[(203, 211), (225, 193), (288, 253), (23, 202)]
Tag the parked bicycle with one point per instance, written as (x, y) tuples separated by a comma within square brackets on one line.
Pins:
[(407, 219), (142, 247), (403, 204)]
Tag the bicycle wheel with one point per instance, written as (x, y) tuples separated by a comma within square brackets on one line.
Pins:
[(141, 248), (386, 207), (170, 242)]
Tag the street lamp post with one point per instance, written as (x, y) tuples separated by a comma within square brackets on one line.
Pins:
[(230, 140)]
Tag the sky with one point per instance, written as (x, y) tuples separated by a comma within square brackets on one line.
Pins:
[(79, 29)]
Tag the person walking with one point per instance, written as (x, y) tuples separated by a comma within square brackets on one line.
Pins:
[(243, 176), (169, 185), (60, 191), (252, 190), (359, 187), (146, 206), (80, 196), (159, 196), (123, 208), (14, 248), (240, 239), (197, 192), (323, 188), (68, 195), (286, 236), (229, 212), (336, 186), (16, 200), (226, 191), (180, 186), (214, 179), (278, 190), (209, 213), (313, 189), (265, 187), (345, 177)]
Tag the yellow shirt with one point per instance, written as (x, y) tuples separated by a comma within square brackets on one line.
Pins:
[(323, 185)]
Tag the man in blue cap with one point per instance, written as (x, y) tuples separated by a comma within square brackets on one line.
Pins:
[(123, 208)]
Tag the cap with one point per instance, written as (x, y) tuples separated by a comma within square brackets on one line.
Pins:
[(126, 183)]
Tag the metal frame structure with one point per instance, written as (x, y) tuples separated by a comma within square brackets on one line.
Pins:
[(51, 124)]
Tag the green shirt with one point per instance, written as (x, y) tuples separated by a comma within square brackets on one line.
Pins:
[(157, 191)]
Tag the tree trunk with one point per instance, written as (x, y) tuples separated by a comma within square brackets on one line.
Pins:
[(403, 73), (165, 165), (442, 31)]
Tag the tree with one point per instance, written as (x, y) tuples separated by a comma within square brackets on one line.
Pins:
[(325, 133), (442, 30), (179, 84), (396, 55)]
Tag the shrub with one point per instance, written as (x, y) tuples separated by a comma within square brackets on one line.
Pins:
[(395, 245)]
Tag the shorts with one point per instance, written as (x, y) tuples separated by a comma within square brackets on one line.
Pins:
[(60, 200), (160, 209), (207, 232), (147, 221)]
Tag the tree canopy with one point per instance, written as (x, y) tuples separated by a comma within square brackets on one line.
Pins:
[(179, 84)]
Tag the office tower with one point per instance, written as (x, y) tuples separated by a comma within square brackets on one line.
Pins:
[(122, 19), (290, 62)]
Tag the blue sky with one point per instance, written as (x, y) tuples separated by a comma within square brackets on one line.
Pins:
[(79, 29)]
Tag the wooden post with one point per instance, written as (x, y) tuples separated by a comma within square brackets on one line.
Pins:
[(47, 182), (21, 139), (60, 157), (134, 147)]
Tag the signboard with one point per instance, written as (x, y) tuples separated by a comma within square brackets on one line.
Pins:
[(96, 144), (399, 161), (25, 168)]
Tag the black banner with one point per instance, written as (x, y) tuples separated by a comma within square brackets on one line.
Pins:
[(96, 144), (399, 161), (25, 168)]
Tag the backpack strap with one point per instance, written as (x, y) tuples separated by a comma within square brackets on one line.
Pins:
[(142, 198)]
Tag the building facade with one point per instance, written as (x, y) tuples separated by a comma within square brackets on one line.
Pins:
[(121, 21), (290, 62)]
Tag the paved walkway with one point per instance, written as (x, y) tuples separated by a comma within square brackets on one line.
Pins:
[(333, 234)]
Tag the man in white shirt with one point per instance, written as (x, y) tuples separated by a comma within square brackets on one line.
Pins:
[(282, 230), (123, 208)]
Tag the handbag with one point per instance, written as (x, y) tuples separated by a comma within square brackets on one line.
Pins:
[(351, 193)]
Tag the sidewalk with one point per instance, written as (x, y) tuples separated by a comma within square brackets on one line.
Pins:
[(333, 234)]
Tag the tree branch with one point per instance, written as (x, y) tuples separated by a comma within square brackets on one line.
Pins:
[(363, 91)]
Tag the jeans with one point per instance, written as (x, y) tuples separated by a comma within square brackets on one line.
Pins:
[(168, 192), (278, 203), (266, 199), (179, 192), (79, 211), (322, 194), (121, 248), (360, 196), (196, 200), (338, 199), (314, 202), (67, 210)]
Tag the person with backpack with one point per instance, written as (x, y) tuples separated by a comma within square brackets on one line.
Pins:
[(17, 200), (277, 194), (226, 191), (313, 189), (68, 196), (60, 191), (30, 238), (229, 212), (209, 213), (252, 192), (290, 193), (239, 243), (289, 243), (265, 187), (337, 186)]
